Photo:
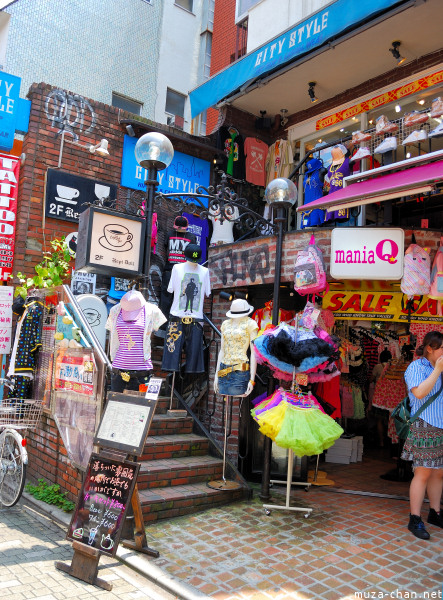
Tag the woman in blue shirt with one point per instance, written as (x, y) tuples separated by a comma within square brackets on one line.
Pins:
[(424, 445)]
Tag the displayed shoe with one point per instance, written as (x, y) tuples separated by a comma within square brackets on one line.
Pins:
[(361, 153), (383, 125), (386, 145), (435, 518), (360, 136), (417, 527), (437, 131), (415, 118), (419, 135), (437, 108)]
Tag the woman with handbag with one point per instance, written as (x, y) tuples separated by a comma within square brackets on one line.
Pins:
[(424, 444)]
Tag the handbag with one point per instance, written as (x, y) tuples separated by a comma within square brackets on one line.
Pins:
[(401, 415)]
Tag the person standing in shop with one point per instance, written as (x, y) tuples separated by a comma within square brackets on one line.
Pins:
[(424, 444), (381, 415)]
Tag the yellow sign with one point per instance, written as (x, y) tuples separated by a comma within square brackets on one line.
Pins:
[(380, 306), (391, 96)]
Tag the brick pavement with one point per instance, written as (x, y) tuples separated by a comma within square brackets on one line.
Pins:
[(30, 544), (349, 544)]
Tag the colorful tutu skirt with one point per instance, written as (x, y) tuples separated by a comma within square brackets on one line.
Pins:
[(296, 421)]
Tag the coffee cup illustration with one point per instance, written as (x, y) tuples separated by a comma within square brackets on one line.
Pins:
[(67, 192), (116, 237)]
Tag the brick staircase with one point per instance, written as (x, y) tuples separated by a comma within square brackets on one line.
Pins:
[(175, 467)]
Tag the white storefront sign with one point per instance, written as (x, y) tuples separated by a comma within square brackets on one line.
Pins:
[(367, 253)]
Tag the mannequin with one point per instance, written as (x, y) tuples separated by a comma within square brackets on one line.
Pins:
[(189, 284), (222, 231), (131, 323), (338, 170), (238, 332)]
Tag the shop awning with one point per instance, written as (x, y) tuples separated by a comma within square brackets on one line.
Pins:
[(417, 180), (304, 38)]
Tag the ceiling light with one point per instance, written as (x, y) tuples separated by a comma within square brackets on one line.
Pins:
[(421, 102), (311, 91), (397, 108), (408, 155), (342, 130), (396, 54), (371, 121)]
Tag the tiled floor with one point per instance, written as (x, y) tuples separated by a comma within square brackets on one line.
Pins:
[(351, 544)]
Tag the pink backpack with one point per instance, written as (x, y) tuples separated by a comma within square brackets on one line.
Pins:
[(309, 271), (416, 280)]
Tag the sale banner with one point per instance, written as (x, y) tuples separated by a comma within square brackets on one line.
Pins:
[(391, 96), (380, 306)]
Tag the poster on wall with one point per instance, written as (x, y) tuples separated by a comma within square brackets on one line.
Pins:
[(9, 177), (75, 372), (67, 195), (380, 306), (185, 173)]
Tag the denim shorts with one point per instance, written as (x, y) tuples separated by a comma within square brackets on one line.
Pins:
[(234, 383), (187, 338)]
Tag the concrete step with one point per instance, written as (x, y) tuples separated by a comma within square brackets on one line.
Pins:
[(169, 502), (174, 445), (178, 471)]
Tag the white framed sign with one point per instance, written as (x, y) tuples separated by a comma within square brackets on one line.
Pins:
[(367, 253), (110, 242)]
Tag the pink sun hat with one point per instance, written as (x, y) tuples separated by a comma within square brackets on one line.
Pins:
[(131, 304)]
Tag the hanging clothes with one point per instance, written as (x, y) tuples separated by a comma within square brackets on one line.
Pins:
[(27, 341), (256, 152), (263, 316), (296, 421), (313, 190), (231, 143), (279, 160)]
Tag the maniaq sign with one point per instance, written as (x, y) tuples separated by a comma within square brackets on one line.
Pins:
[(365, 253), (9, 176)]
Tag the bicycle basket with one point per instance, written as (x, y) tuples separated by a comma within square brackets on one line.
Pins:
[(19, 413)]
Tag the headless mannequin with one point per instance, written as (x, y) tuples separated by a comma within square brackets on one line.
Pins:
[(238, 332)]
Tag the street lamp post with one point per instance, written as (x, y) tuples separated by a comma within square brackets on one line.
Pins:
[(280, 194), (154, 152)]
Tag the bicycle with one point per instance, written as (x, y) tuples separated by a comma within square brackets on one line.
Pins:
[(16, 415)]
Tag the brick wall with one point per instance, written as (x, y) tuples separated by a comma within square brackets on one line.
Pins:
[(48, 457)]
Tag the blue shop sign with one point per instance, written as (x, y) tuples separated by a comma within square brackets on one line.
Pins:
[(184, 175), (9, 108), (306, 36)]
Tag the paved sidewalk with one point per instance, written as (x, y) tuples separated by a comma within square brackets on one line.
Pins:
[(30, 544), (350, 544)]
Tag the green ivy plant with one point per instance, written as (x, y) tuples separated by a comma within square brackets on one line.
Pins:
[(50, 494), (51, 271)]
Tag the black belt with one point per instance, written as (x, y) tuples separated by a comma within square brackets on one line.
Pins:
[(134, 373), (185, 320)]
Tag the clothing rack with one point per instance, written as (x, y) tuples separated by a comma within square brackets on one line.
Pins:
[(269, 507)]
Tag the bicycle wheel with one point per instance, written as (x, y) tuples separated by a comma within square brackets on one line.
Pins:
[(12, 468)]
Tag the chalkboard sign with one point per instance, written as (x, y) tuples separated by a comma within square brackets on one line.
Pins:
[(101, 507)]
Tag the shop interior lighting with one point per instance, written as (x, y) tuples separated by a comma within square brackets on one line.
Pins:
[(397, 108), (311, 91), (226, 296), (396, 53), (421, 102), (391, 196)]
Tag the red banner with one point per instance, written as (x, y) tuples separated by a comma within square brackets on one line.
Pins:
[(391, 96), (9, 177)]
